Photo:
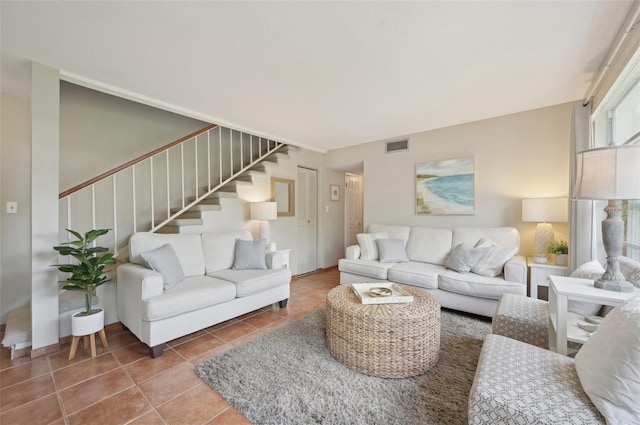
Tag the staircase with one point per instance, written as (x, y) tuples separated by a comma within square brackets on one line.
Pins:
[(167, 190)]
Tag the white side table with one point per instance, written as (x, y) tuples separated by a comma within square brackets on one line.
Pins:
[(562, 324), (284, 256), (540, 275)]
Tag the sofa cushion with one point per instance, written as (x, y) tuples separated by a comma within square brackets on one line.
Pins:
[(249, 282), (365, 268), (506, 237), (478, 286), (250, 255), (392, 251), (415, 273), (219, 248), (394, 231), (429, 245), (492, 262), (187, 246), (191, 294), (164, 261), (464, 257), (368, 246), (608, 365)]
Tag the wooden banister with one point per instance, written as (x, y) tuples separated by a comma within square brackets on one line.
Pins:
[(134, 161)]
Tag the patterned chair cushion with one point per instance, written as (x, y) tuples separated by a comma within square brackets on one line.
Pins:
[(517, 383), (522, 318)]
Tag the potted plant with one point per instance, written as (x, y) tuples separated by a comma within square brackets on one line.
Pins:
[(86, 275), (560, 251)]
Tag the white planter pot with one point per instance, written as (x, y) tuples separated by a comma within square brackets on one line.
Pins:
[(561, 259), (86, 325)]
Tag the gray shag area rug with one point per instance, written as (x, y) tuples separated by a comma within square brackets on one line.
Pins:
[(289, 377)]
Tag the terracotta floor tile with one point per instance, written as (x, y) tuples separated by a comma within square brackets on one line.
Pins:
[(162, 388), (211, 354), (84, 370), (144, 369), (95, 389), (150, 418), (263, 319), (115, 410), (221, 325), (6, 362), (121, 339), (61, 358), (24, 371), (42, 411), (204, 403), (229, 417), (234, 331), (186, 338), (199, 346), (131, 352), (26, 391)]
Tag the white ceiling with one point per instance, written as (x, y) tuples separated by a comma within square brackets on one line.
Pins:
[(321, 75)]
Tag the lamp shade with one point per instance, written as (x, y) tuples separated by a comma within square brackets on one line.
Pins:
[(550, 210), (608, 173), (264, 211)]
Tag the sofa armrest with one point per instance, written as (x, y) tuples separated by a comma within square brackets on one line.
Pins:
[(135, 283), (515, 270), (274, 260), (352, 252)]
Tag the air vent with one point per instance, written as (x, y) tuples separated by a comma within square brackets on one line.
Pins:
[(397, 146)]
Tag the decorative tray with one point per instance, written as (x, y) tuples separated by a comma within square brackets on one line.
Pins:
[(381, 293)]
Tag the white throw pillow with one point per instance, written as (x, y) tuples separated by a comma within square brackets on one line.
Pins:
[(630, 269), (368, 246), (494, 258), (250, 255), (392, 251), (464, 257), (608, 365), (165, 261), (590, 270)]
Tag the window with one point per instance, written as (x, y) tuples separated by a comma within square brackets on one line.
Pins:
[(617, 121)]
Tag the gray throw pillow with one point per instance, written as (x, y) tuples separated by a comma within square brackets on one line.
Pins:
[(590, 270), (464, 257), (392, 251), (250, 255), (165, 261)]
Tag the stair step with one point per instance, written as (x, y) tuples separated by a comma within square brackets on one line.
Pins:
[(169, 229), (183, 222), (190, 213), (222, 194)]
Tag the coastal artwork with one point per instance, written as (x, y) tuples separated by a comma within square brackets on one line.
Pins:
[(445, 187)]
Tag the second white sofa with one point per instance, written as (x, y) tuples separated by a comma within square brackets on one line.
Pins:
[(428, 249), (163, 304)]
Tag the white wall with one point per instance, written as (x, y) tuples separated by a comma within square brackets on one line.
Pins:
[(15, 184), (99, 132), (517, 156)]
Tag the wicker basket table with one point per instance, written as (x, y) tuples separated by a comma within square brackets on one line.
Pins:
[(385, 340)]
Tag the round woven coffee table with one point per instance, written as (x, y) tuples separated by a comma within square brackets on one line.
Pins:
[(385, 340)]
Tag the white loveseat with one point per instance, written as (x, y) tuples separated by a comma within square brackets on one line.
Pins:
[(211, 291), (427, 250)]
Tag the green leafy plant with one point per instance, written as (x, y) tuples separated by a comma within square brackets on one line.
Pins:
[(558, 248), (89, 272)]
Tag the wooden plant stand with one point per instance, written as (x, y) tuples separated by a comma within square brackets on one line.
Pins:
[(85, 340)]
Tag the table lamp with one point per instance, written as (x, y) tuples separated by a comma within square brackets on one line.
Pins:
[(611, 174), (265, 212), (544, 211)]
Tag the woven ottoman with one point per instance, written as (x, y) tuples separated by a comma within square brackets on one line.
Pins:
[(522, 318), (384, 340)]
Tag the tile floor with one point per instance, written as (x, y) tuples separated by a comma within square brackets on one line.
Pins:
[(123, 385)]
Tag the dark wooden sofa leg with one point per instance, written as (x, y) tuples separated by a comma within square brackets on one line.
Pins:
[(156, 351), (283, 303)]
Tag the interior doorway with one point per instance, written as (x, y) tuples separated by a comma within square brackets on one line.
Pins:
[(353, 208), (307, 215)]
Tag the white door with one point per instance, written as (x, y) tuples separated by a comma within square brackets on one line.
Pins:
[(307, 214), (353, 199)]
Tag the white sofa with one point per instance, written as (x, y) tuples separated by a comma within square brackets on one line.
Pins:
[(427, 250), (211, 291)]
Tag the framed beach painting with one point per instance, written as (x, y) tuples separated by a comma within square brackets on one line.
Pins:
[(445, 187)]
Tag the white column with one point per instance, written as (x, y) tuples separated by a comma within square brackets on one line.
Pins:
[(45, 135)]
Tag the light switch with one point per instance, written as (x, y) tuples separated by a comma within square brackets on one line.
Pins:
[(12, 207)]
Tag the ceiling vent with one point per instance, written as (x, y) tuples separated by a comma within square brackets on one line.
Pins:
[(397, 146)]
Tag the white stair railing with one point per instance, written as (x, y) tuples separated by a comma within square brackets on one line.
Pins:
[(149, 192)]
